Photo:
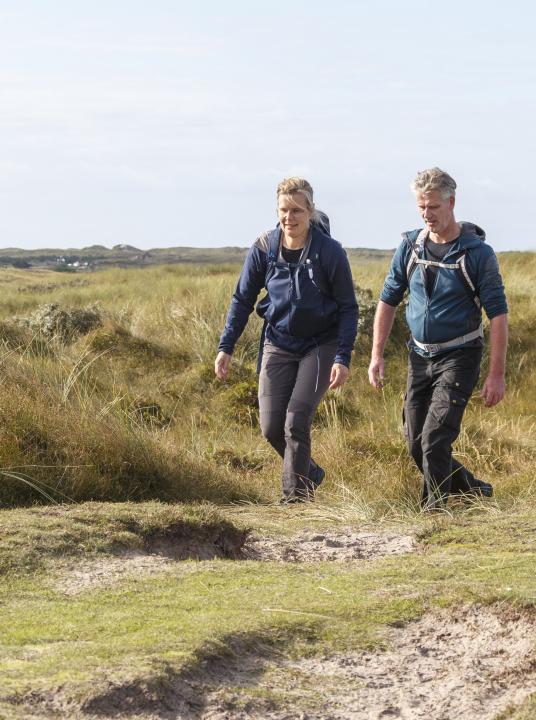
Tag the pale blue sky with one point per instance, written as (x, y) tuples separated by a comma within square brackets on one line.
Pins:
[(170, 123)]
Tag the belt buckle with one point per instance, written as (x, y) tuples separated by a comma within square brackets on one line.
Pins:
[(433, 348)]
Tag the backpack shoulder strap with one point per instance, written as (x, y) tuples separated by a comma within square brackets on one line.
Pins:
[(416, 250), (272, 254), (467, 281), (313, 251), (313, 264)]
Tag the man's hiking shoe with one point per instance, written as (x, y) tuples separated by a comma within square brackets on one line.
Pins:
[(483, 488), (316, 477), (478, 489), (293, 499)]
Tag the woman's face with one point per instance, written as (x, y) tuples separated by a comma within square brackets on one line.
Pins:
[(294, 215)]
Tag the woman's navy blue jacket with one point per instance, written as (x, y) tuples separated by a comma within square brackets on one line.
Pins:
[(307, 303)]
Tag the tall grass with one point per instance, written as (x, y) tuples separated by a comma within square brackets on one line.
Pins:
[(132, 410)]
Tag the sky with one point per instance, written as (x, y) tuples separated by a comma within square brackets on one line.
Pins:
[(170, 123)]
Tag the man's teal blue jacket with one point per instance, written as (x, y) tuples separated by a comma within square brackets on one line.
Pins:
[(449, 311)]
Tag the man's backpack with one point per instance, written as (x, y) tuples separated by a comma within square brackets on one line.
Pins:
[(417, 249)]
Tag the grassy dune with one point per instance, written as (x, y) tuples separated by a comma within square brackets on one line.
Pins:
[(130, 411)]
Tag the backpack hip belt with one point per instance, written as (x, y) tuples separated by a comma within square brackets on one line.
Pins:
[(461, 340)]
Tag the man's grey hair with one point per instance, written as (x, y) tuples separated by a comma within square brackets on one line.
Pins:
[(434, 179)]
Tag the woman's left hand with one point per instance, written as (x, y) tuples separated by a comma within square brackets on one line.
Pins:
[(339, 374)]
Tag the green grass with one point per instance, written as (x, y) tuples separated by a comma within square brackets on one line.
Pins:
[(144, 628)]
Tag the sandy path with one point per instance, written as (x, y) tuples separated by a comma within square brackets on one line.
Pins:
[(344, 545)]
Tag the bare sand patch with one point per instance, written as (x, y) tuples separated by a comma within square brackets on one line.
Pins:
[(461, 663), (342, 545)]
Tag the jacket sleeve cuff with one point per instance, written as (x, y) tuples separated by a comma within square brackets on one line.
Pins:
[(389, 299), (226, 348), (496, 312), (342, 359)]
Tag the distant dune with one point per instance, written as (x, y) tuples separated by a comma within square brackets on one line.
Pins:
[(123, 255)]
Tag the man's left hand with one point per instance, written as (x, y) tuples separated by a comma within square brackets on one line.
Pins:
[(493, 390), (339, 374)]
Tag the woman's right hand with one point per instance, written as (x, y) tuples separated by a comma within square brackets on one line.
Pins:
[(221, 365)]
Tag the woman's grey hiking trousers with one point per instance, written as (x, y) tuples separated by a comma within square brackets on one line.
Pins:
[(438, 391), (290, 388)]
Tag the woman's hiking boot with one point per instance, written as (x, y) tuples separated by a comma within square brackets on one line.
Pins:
[(316, 476), (307, 488)]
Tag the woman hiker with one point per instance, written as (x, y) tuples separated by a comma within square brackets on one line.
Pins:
[(310, 313)]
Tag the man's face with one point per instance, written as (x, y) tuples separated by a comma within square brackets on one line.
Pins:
[(436, 212)]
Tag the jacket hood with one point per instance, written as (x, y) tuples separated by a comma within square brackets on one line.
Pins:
[(471, 235)]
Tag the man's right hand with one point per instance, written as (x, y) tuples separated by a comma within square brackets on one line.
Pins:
[(376, 372), (221, 365), (383, 324)]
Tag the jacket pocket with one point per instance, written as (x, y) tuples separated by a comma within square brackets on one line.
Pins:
[(309, 320), (263, 307), (312, 311)]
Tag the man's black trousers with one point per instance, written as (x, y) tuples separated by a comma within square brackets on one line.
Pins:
[(438, 391)]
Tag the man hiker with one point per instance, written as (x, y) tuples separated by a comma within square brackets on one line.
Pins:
[(450, 273)]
